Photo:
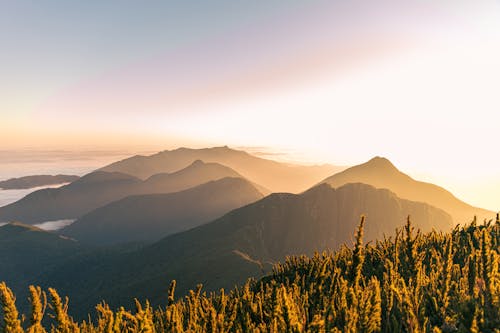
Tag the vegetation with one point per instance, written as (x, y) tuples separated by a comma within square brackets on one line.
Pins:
[(413, 282)]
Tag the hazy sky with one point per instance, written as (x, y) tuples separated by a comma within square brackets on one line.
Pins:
[(332, 81)]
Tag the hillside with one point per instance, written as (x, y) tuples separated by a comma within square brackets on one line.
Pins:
[(381, 173), (35, 181), (70, 201), (26, 251), (244, 243), (416, 282), (154, 216), (101, 188), (275, 176)]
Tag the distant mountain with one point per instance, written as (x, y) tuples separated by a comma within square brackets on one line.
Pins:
[(277, 177), (195, 174), (70, 201), (381, 173), (35, 181), (101, 188), (244, 243), (154, 216)]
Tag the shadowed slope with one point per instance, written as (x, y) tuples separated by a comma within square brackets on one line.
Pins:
[(101, 188), (26, 251), (153, 216)]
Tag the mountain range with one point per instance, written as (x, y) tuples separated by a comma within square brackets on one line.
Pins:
[(150, 217), (243, 243), (100, 188), (204, 216), (275, 176)]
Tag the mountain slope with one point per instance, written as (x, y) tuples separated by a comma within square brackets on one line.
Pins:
[(381, 173), (70, 201), (101, 188), (332, 291), (28, 254), (26, 251), (154, 216), (277, 177), (35, 181), (195, 174), (245, 242)]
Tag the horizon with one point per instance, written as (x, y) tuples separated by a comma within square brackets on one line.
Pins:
[(322, 82)]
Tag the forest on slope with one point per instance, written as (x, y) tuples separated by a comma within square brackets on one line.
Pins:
[(412, 282)]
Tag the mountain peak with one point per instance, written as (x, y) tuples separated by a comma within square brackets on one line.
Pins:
[(381, 163), (381, 173)]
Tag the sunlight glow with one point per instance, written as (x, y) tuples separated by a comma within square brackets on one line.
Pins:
[(415, 82)]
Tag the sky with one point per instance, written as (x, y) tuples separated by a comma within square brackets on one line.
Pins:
[(326, 81)]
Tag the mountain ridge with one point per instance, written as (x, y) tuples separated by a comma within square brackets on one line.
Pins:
[(217, 253), (150, 217), (100, 188), (273, 175), (381, 173)]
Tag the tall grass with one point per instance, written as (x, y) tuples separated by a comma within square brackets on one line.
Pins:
[(413, 282)]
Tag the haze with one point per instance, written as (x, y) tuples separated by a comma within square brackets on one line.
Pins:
[(327, 81)]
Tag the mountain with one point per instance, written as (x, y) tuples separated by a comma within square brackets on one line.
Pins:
[(243, 243), (101, 188), (195, 174), (28, 254), (381, 173), (355, 289), (26, 251), (277, 177), (153, 216), (35, 181), (70, 201)]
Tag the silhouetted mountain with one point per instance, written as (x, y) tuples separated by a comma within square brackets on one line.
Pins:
[(381, 173), (35, 181), (154, 216), (277, 177), (244, 243), (101, 188)]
